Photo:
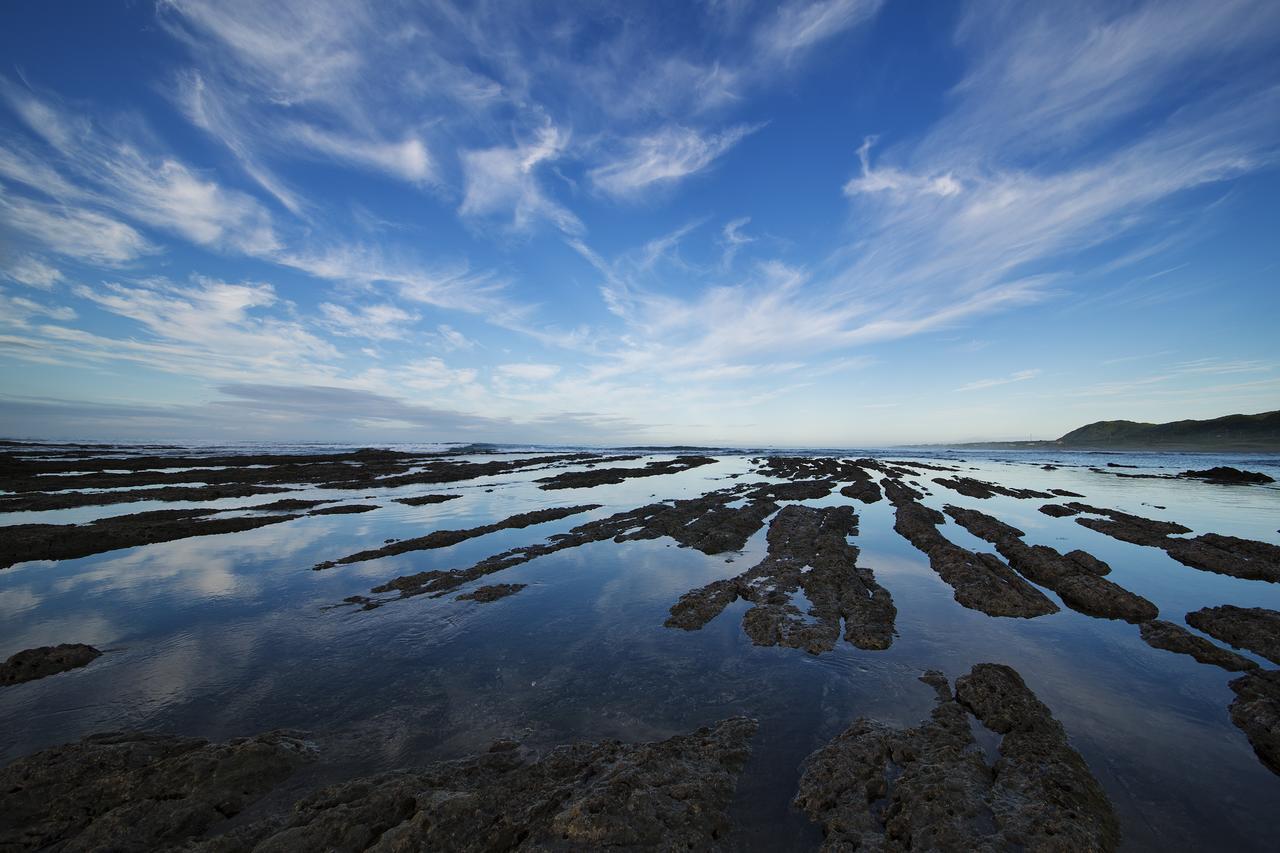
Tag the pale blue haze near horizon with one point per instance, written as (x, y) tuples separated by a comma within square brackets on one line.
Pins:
[(831, 223)]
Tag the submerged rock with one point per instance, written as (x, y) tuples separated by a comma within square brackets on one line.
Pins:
[(809, 552), (30, 664), (981, 581), (1227, 474), (930, 788), (1254, 628), (137, 791), (492, 592), (1076, 576), (1160, 634), (1256, 712), (669, 795)]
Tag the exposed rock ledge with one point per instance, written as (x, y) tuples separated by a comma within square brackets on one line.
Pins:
[(930, 787)]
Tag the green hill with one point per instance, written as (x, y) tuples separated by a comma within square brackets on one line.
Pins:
[(1260, 432)]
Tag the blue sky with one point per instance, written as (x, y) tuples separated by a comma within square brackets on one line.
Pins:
[(821, 223)]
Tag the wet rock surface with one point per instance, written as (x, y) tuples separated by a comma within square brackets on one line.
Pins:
[(981, 581), (426, 500), (31, 664), (711, 523), (344, 509), (1254, 628), (1058, 510), (137, 791), (1256, 712), (612, 476), (808, 552), (1076, 576), (22, 542), (492, 592), (1160, 634), (930, 788), (1227, 474), (43, 501), (972, 488), (1210, 552), (669, 795), (445, 538)]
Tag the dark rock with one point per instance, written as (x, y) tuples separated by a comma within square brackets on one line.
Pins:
[(809, 551), (1210, 552), (1256, 712), (707, 523), (981, 581), (445, 538), (1065, 494), (136, 791), (343, 509), (978, 489), (669, 795), (1254, 628), (929, 788), (1174, 638), (426, 500), (285, 505), (1227, 474), (611, 476), (22, 542), (41, 501), (492, 592), (30, 664), (1058, 510), (1076, 576)]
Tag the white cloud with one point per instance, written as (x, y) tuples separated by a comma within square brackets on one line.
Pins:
[(75, 232), (664, 157), (383, 321), (32, 272), (799, 25), (1020, 376), (897, 182), (528, 372), (407, 159), (502, 181)]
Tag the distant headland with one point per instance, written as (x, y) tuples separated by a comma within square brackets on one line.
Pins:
[(1258, 433)]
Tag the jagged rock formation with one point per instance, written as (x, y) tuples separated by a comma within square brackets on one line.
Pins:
[(930, 788), (809, 552), (1254, 628), (30, 664), (1076, 576), (1174, 638)]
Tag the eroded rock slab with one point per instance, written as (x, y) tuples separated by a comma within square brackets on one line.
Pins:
[(1058, 511), (981, 581), (1227, 474), (1256, 712), (344, 509), (30, 664), (969, 487), (930, 788), (1160, 634), (22, 542), (714, 523), (612, 476), (41, 501), (808, 552), (137, 791), (492, 592), (1210, 552), (669, 795), (1076, 576), (1254, 628), (445, 538), (426, 500)]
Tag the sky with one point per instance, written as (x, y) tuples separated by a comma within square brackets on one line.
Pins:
[(810, 223)]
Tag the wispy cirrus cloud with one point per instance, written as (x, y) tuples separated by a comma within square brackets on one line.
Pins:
[(664, 158), (1018, 376)]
